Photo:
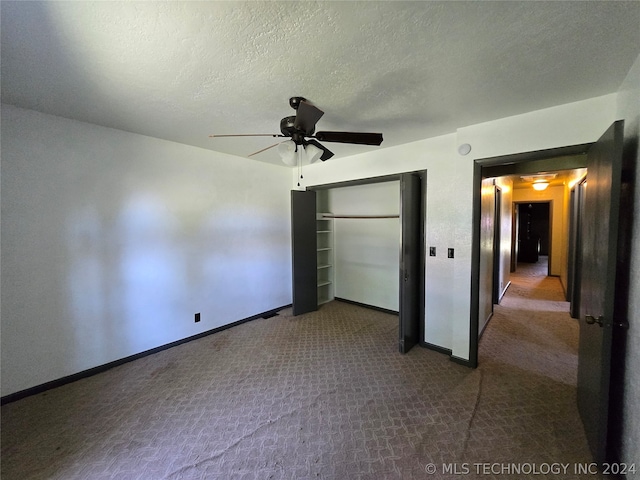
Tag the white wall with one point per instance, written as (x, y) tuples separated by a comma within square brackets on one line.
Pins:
[(629, 110), (367, 251), (111, 242), (450, 194)]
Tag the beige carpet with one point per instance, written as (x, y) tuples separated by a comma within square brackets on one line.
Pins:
[(323, 395)]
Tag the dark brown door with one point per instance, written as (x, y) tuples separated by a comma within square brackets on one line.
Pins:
[(304, 251), (411, 281), (597, 289)]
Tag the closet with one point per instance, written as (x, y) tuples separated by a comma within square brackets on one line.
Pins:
[(362, 242)]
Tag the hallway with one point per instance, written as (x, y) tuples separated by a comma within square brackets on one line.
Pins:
[(530, 349), (532, 328), (324, 395)]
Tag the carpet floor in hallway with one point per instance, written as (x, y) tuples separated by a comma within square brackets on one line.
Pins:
[(324, 395)]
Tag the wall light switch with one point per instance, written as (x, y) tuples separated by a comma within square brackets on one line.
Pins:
[(450, 252), (432, 251)]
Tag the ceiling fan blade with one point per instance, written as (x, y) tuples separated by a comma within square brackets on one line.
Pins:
[(326, 153), (260, 151), (350, 137), (247, 135), (307, 116)]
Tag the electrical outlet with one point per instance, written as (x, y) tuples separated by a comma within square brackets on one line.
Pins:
[(197, 317), (450, 252), (432, 251)]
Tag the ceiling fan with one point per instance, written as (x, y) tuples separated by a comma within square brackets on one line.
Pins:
[(300, 129)]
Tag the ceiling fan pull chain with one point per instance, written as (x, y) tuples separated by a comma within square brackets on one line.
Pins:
[(300, 150)]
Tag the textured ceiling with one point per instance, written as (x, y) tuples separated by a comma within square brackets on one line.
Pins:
[(411, 70)]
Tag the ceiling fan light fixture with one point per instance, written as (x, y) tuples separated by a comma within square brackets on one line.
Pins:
[(313, 153), (539, 186), (287, 151)]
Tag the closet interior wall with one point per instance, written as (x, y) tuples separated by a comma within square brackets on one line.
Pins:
[(366, 251)]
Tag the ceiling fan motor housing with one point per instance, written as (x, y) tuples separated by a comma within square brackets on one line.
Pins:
[(289, 130)]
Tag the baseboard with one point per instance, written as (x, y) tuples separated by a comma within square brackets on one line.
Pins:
[(447, 351), (12, 397), (371, 307), (436, 348), (504, 290), (564, 290), (462, 361), (484, 327)]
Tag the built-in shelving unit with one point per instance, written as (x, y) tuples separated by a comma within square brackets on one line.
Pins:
[(324, 232)]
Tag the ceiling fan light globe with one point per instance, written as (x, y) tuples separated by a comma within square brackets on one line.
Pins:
[(313, 153), (287, 151)]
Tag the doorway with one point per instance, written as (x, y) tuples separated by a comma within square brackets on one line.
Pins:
[(599, 255), (532, 221), (565, 158)]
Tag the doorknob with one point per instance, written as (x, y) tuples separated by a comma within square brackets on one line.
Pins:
[(591, 320)]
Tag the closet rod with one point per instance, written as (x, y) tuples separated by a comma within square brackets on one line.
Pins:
[(359, 216)]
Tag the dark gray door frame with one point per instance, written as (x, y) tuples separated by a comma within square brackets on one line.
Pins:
[(497, 234), (575, 246), (562, 158)]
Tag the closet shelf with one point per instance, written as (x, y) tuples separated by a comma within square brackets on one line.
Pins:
[(323, 283), (327, 216), (324, 266), (324, 249)]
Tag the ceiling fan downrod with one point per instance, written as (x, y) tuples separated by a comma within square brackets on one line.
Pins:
[(295, 102)]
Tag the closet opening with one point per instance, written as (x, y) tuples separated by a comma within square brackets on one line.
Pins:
[(369, 247)]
